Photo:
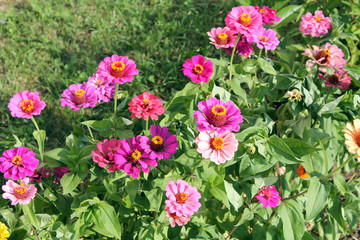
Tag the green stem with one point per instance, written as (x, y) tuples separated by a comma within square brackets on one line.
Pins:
[(106, 194), (92, 136), (115, 104), (34, 121), (259, 54), (147, 127), (232, 56), (279, 179), (340, 167)]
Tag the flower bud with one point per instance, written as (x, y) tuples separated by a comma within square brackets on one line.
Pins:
[(282, 171), (251, 149)]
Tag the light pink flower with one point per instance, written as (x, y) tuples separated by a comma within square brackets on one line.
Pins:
[(21, 194), (218, 147), (146, 105), (338, 79), (244, 20), (104, 90), (18, 163), (222, 37), (26, 104), (269, 196), (266, 39), (117, 69), (183, 199), (243, 48), (197, 69), (105, 155), (79, 95), (174, 219), (268, 15), (316, 25)]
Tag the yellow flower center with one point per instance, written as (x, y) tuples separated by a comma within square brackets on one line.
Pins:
[(79, 97), (20, 191), (327, 51), (98, 82), (198, 69), (136, 155), (245, 19), (146, 101), (27, 106), (217, 143), (318, 19), (16, 160), (222, 36), (181, 197), (263, 38), (118, 69), (80, 92), (218, 110), (157, 140)]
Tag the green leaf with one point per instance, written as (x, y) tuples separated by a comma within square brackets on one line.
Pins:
[(217, 189), (316, 198), (340, 183), (240, 92), (281, 150), (224, 95), (40, 138), (292, 220), (330, 106), (132, 188), (266, 66), (298, 147), (69, 182), (29, 213), (190, 158), (155, 198), (105, 219), (247, 216), (336, 211), (287, 14), (242, 136), (234, 198)]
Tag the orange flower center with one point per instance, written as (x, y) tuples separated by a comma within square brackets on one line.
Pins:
[(219, 110), (27, 106), (217, 143), (20, 191), (245, 19), (263, 38), (198, 69), (217, 116), (222, 38), (118, 69), (263, 11), (318, 19), (135, 155), (181, 198), (98, 82), (157, 140), (79, 97), (266, 193), (16, 160)]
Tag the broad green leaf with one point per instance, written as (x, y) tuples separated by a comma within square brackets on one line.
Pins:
[(298, 147), (234, 198), (246, 216), (287, 14), (266, 66), (29, 213), (340, 183), (240, 92), (278, 148), (336, 211), (250, 131), (190, 158), (132, 188), (105, 218), (217, 189), (330, 106), (155, 198), (292, 219), (224, 95), (316, 198), (69, 182)]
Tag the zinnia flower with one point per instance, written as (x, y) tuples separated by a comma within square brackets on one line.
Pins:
[(268, 15), (59, 172), (293, 95), (26, 104), (222, 37), (146, 105), (174, 219), (79, 95), (338, 79), (244, 19), (316, 25), (132, 159), (266, 39), (218, 147), (352, 136), (302, 173), (104, 90), (22, 193), (269, 196), (197, 69), (183, 199), (217, 115), (4, 233), (105, 155), (162, 144), (117, 69), (39, 174), (18, 163), (243, 48)]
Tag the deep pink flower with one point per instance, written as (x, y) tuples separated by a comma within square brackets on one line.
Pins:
[(104, 90), (316, 25), (21, 194), (79, 95), (117, 69), (174, 219), (18, 163), (39, 174), (243, 48), (266, 39), (222, 37), (131, 158), (162, 144), (217, 115), (197, 69), (218, 147), (338, 79), (269, 196), (105, 155), (146, 105), (244, 19), (26, 104), (59, 172), (268, 15), (183, 199)]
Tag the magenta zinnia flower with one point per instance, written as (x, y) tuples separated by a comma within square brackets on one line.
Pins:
[(146, 105), (174, 219), (197, 69), (104, 90), (217, 115), (316, 25), (243, 48), (18, 163), (244, 19), (269, 196), (79, 95), (162, 144), (183, 199), (266, 39), (59, 172), (132, 159), (117, 69), (218, 147), (222, 37), (338, 79), (105, 155), (26, 104), (21, 194), (268, 15)]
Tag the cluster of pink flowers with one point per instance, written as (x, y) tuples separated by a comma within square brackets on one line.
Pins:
[(316, 26)]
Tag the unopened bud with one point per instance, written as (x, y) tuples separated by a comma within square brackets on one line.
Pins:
[(282, 171), (251, 150)]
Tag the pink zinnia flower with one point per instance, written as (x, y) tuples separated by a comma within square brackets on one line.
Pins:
[(117, 69), (105, 155), (316, 25), (244, 19), (217, 115), (266, 39), (268, 15), (104, 90), (162, 144), (325, 56), (59, 172), (183, 199), (26, 104), (131, 158), (79, 95), (243, 48), (222, 37), (21, 194), (174, 219), (338, 79), (18, 163), (39, 174), (197, 69), (218, 147), (269, 196), (146, 105)]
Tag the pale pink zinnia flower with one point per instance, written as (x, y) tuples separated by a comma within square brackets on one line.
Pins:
[(352, 136), (79, 95), (316, 25), (218, 147), (174, 219), (269, 196), (198, 69), (266, 39), (117, 69), (222, 37), (146, 105), (338, 79), (105, 154), (26, 104), (19, 193), (268, 15), (18, 163), (244, 20), (104, 90), (183, 199)]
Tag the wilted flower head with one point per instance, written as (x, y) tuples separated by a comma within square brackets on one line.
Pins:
[(79, 95), (269, 196), (338, 79), (59, 172), (268, 15), (105, 154), (293, 95), (40, 173), (104, 89), (174, 219), (198, 69), (222, 37), (21, 194), (316, 25), (244, 20), (26, 104), (243, 48), (352, 136), (4, 233), (146, 105), (302, 173)]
